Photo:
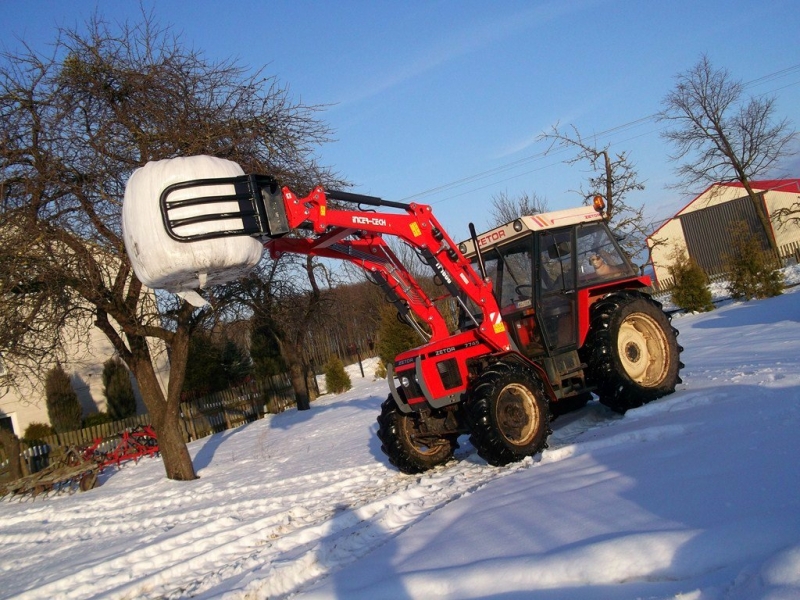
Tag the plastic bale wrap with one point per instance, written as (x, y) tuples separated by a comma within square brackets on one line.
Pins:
[(163, 263)]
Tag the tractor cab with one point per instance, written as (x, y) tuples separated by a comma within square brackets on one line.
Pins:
[(537, 277), (546, 270)]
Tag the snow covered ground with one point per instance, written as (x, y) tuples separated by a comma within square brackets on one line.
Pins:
[(695, 496)]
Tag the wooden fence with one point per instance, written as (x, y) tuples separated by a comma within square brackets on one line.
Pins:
[(201, 417), (665, 286), (236, 406), (84, 437)]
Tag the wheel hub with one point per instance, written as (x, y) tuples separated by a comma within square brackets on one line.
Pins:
[(516, 414), (425, 443), (643, 349), (632, 352), (514, 417)]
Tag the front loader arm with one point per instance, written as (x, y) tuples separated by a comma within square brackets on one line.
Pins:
[(268, 212), (334, 228)]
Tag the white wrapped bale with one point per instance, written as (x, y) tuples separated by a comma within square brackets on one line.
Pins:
[(163, 263)]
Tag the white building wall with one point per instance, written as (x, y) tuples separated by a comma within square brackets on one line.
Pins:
[(786, 233), (26, 404)]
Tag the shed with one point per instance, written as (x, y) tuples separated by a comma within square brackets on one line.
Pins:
[(702, 228)]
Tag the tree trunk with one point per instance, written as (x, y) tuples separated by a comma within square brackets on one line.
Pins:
[(293, 357), (171, 445), (611, 201), (11, 445), (758, 204), (311, 382), (298, 378), (165, 412)]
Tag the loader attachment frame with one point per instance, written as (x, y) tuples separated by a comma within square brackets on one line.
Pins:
[(337, 231), (259, 200)]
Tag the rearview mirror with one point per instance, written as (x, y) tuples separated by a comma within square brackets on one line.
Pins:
[(558, 250)]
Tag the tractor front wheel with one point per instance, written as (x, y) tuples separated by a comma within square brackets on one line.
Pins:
[(408, 444), (508, 414)]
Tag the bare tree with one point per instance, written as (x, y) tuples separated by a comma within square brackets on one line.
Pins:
[(506, 209), (651, 244), (282, 306), (354, 318), (788, 215), (74, 126), (722, 136), (615, 177)]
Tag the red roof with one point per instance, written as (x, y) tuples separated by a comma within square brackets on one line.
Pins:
[(770, 185)]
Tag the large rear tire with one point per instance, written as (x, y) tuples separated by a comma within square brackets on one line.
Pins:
[(406, 442), (508, 414), (632, 352)]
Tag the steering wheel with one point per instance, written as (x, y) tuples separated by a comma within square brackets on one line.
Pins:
[(522, 294)]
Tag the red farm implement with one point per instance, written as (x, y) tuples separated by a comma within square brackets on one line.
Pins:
[(131, 444), (77, 469), (532, 319)]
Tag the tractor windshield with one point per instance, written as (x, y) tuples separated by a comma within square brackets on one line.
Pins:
[(599, 257)]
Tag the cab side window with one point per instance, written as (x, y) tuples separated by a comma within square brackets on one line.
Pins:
[(509, 268)]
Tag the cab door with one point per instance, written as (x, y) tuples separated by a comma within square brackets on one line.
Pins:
[(556, 279), (510, 267)]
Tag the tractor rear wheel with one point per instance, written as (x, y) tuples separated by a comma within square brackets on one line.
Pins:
[(408, 444), (632, 352), (508, 414)]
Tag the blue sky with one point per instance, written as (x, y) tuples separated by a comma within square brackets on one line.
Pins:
[(441, 102)]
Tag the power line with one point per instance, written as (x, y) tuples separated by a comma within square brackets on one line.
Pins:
[(775, 75), (540, 155), (521, 161), (541, 168)]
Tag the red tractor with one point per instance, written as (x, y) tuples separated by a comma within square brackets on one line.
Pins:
[(550, 311)]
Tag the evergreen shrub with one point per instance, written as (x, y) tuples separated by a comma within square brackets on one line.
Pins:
[(36, 432), (754, 272), (691, 285), (63, 407), (394, 336), (336, 378), (97, 418), (118, 390), (214, 365), (265, 351)]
